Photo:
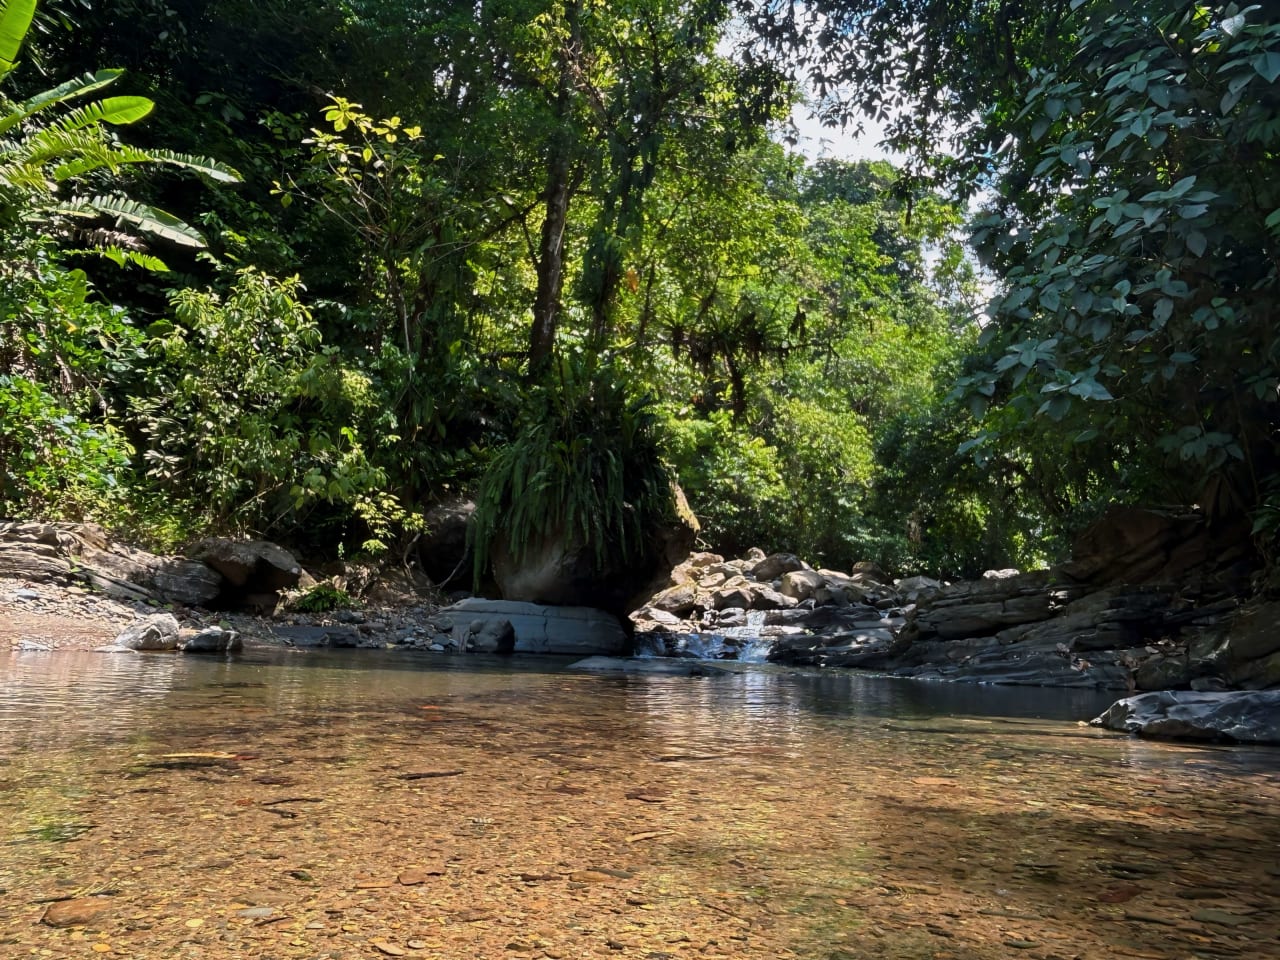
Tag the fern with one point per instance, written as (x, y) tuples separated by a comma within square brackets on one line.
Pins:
[(585, 466)]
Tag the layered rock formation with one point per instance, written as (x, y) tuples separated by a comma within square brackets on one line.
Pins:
[(1148, 602)]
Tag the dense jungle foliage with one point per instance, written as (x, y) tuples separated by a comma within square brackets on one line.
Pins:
[(306, 269)]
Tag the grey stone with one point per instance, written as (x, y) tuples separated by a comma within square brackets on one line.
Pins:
[(156, 632), (26, 594), (493, 636), (775, 565), (211, 640), (918, 586), (188, 582), (254, 566), (539, 628), (801, 584), (1242, 716)]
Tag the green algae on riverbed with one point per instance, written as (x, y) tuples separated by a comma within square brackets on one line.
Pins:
[(323, 807)]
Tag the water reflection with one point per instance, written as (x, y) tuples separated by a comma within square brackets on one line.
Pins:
[(772, 811)]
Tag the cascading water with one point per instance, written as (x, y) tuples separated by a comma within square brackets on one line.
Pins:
[(743, 643)]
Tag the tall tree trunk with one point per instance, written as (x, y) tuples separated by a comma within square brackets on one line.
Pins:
[(550, 266)]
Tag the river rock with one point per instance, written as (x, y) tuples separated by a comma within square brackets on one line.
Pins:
[(83, 553), (541, 628), (1241, 716), (801, 584), (209, 640), (157, 632), (775, 565), (562, 567), (251, 568), (442, 549), (493, 635), (78, 912), (317, 635)]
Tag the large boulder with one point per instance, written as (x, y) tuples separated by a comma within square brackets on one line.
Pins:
[(157, 632), (775, 565), (563, 569), (1245, 717), (209, 640), (1134, 545), (540, 628), (254, 571), (442, 549), (801, 584)]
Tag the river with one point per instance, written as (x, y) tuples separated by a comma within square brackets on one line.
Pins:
[(344, 805)]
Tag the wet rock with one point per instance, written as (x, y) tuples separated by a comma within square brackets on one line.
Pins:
[(321, 635), (210, 640), (494, 635), (1242, 716), (74, 913), (157, 632)]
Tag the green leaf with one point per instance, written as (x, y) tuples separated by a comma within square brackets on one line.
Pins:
[(1197, 243), (1232, 25), (1267, 65), (122, 110), (79, 87), (15, 21), (145, 218)]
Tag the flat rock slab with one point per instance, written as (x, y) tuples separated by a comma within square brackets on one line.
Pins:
[(540, 628), (1243, 716), (657, 668)]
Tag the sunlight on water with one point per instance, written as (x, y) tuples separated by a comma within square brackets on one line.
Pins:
[(549, 813)]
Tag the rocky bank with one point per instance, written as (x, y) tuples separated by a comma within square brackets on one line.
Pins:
[(1148, 602)]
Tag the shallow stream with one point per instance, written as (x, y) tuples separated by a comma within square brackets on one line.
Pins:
[(360, 804)]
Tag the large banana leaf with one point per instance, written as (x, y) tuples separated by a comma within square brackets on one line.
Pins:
[(15, 20), (79, 87), (139, 215)]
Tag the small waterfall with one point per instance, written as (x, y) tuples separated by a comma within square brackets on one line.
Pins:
[(727, 643), (649, 645), (756, 650), (701, 646), (751, 631)]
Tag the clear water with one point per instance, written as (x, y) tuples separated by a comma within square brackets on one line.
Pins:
[(270, 804)]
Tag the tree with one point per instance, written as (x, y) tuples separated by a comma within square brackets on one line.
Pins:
[(1137, 223)]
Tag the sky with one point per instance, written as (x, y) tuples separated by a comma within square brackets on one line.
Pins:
[(817, 141)]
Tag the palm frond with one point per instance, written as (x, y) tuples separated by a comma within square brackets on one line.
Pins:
[(138, 215), (70, 90)]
